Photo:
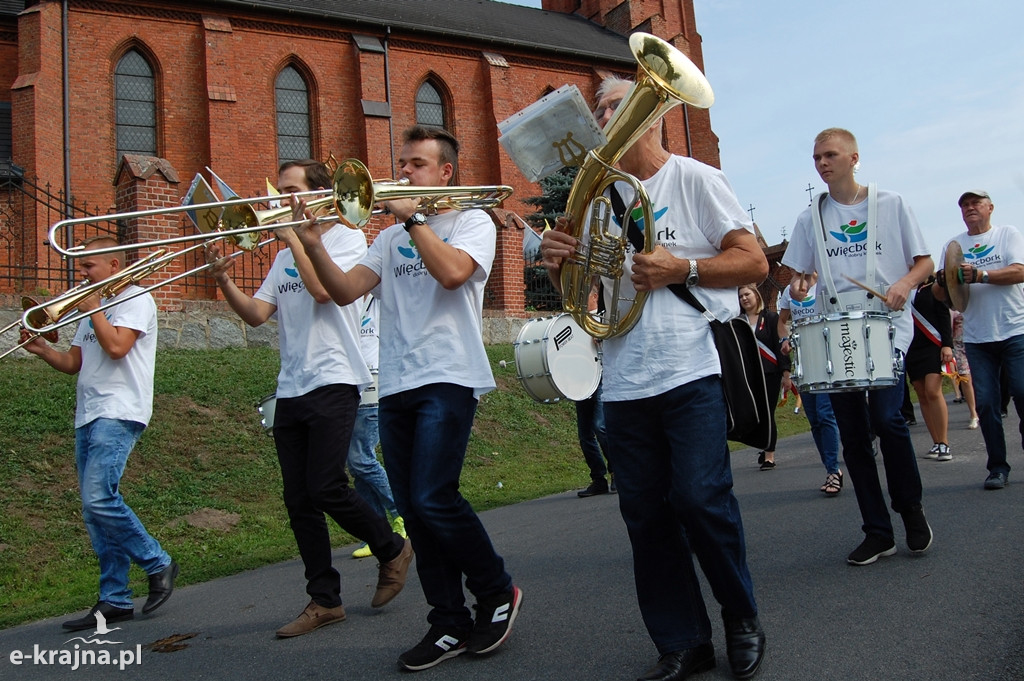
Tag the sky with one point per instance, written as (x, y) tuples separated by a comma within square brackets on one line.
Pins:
[(933, 91)]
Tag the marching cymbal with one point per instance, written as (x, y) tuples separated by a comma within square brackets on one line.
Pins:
[(959, 292)]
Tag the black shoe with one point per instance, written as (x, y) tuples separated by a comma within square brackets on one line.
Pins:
[(680, 664), (871, 549), (111, 613), (494, 619), (437, 646), (760, 457), (611, 485), (996, 481), (919, 533), (744, 645), (161, 585), (595, 488)]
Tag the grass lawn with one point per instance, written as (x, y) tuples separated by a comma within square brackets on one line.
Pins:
[(204, 478)]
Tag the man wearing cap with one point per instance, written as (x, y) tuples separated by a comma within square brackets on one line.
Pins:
[(993, 267)]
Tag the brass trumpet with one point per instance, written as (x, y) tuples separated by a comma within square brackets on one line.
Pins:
[(665, 79)]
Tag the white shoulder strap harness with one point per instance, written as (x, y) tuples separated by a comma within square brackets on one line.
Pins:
[(853, 300)]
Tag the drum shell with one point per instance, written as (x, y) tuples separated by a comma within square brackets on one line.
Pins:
[(267, 407), (845, 351), (370, 396), (556, 359)]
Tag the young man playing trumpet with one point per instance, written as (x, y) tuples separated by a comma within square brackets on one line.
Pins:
[(429, 273), (114, 355), (322, 372)]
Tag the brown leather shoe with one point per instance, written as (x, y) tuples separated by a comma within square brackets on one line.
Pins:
[(391, 579), (313, 617)]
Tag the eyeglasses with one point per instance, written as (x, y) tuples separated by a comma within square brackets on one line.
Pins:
[(600, 111)]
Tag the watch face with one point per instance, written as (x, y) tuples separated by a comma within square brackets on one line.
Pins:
[(419, 217)]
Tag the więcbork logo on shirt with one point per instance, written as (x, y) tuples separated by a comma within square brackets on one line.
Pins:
[(410, 252), (979, 255), (665, 237), (296, 286)]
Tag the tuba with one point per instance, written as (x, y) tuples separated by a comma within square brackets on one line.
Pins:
[(665, 79)]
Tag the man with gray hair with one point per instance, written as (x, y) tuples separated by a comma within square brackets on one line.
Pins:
[(993, 266), (665, 409)]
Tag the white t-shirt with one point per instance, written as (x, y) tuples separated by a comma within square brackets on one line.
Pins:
[(808, 307), (118, 388), (694, 208), (993, 313), (369, 343), (898, 241), (428, 334), (319, 342)]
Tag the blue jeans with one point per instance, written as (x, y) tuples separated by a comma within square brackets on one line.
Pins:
[(591, 433), (988, 361), (675, 494), (368, 476), (424, 434), (118, 536), (818, 408), (858, 415)]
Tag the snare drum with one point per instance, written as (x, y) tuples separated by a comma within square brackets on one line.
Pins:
[(556, 359), (369, 396), (845, 351), (266, 408)]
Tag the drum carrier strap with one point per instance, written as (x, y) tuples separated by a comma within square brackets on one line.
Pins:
[(851, 300)]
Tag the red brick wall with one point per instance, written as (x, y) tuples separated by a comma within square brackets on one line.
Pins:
[(215, 72)]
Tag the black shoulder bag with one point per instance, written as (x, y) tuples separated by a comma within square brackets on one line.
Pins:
[(747, 401)]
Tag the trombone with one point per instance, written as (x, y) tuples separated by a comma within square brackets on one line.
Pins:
[(239, 222), (351, 200), (43, 319)]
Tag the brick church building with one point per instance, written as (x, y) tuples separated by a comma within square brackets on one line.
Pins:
[(113, 106)]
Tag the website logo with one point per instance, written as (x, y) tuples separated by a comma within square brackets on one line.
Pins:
[(89, 652), (852, 232)]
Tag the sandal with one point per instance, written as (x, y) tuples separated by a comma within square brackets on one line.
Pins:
[(833, 484)]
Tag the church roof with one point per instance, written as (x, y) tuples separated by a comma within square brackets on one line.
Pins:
[(481, 21)]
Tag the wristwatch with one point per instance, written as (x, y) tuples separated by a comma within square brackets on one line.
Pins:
[(693, 279), (415, 219), (984, 277)]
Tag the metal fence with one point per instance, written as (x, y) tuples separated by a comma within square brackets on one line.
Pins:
[(27, 266)]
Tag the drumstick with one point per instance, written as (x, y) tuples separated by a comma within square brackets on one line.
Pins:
[(866, 288)]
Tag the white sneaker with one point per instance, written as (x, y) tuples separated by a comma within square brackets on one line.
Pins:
[(973, 425), (943, 452)]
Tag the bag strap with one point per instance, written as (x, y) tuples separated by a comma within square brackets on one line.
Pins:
[(636, 238)]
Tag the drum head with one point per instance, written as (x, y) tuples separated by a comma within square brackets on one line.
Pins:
[(571, 359)]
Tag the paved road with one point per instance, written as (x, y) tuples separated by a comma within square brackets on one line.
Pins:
[(955, 613)]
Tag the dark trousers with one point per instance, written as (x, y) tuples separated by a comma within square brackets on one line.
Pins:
[(312, 433), (675, 494), (878, 412), (424, 433)]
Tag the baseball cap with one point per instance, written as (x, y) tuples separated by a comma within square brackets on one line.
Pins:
[(980, 193)]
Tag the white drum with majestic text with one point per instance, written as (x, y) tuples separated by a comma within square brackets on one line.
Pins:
[(556, 359), (845, 351), (266, 407)]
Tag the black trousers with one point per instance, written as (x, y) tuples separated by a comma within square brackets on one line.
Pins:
[(312, 433)]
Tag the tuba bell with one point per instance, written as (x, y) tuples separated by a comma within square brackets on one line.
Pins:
[(665, 79)]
